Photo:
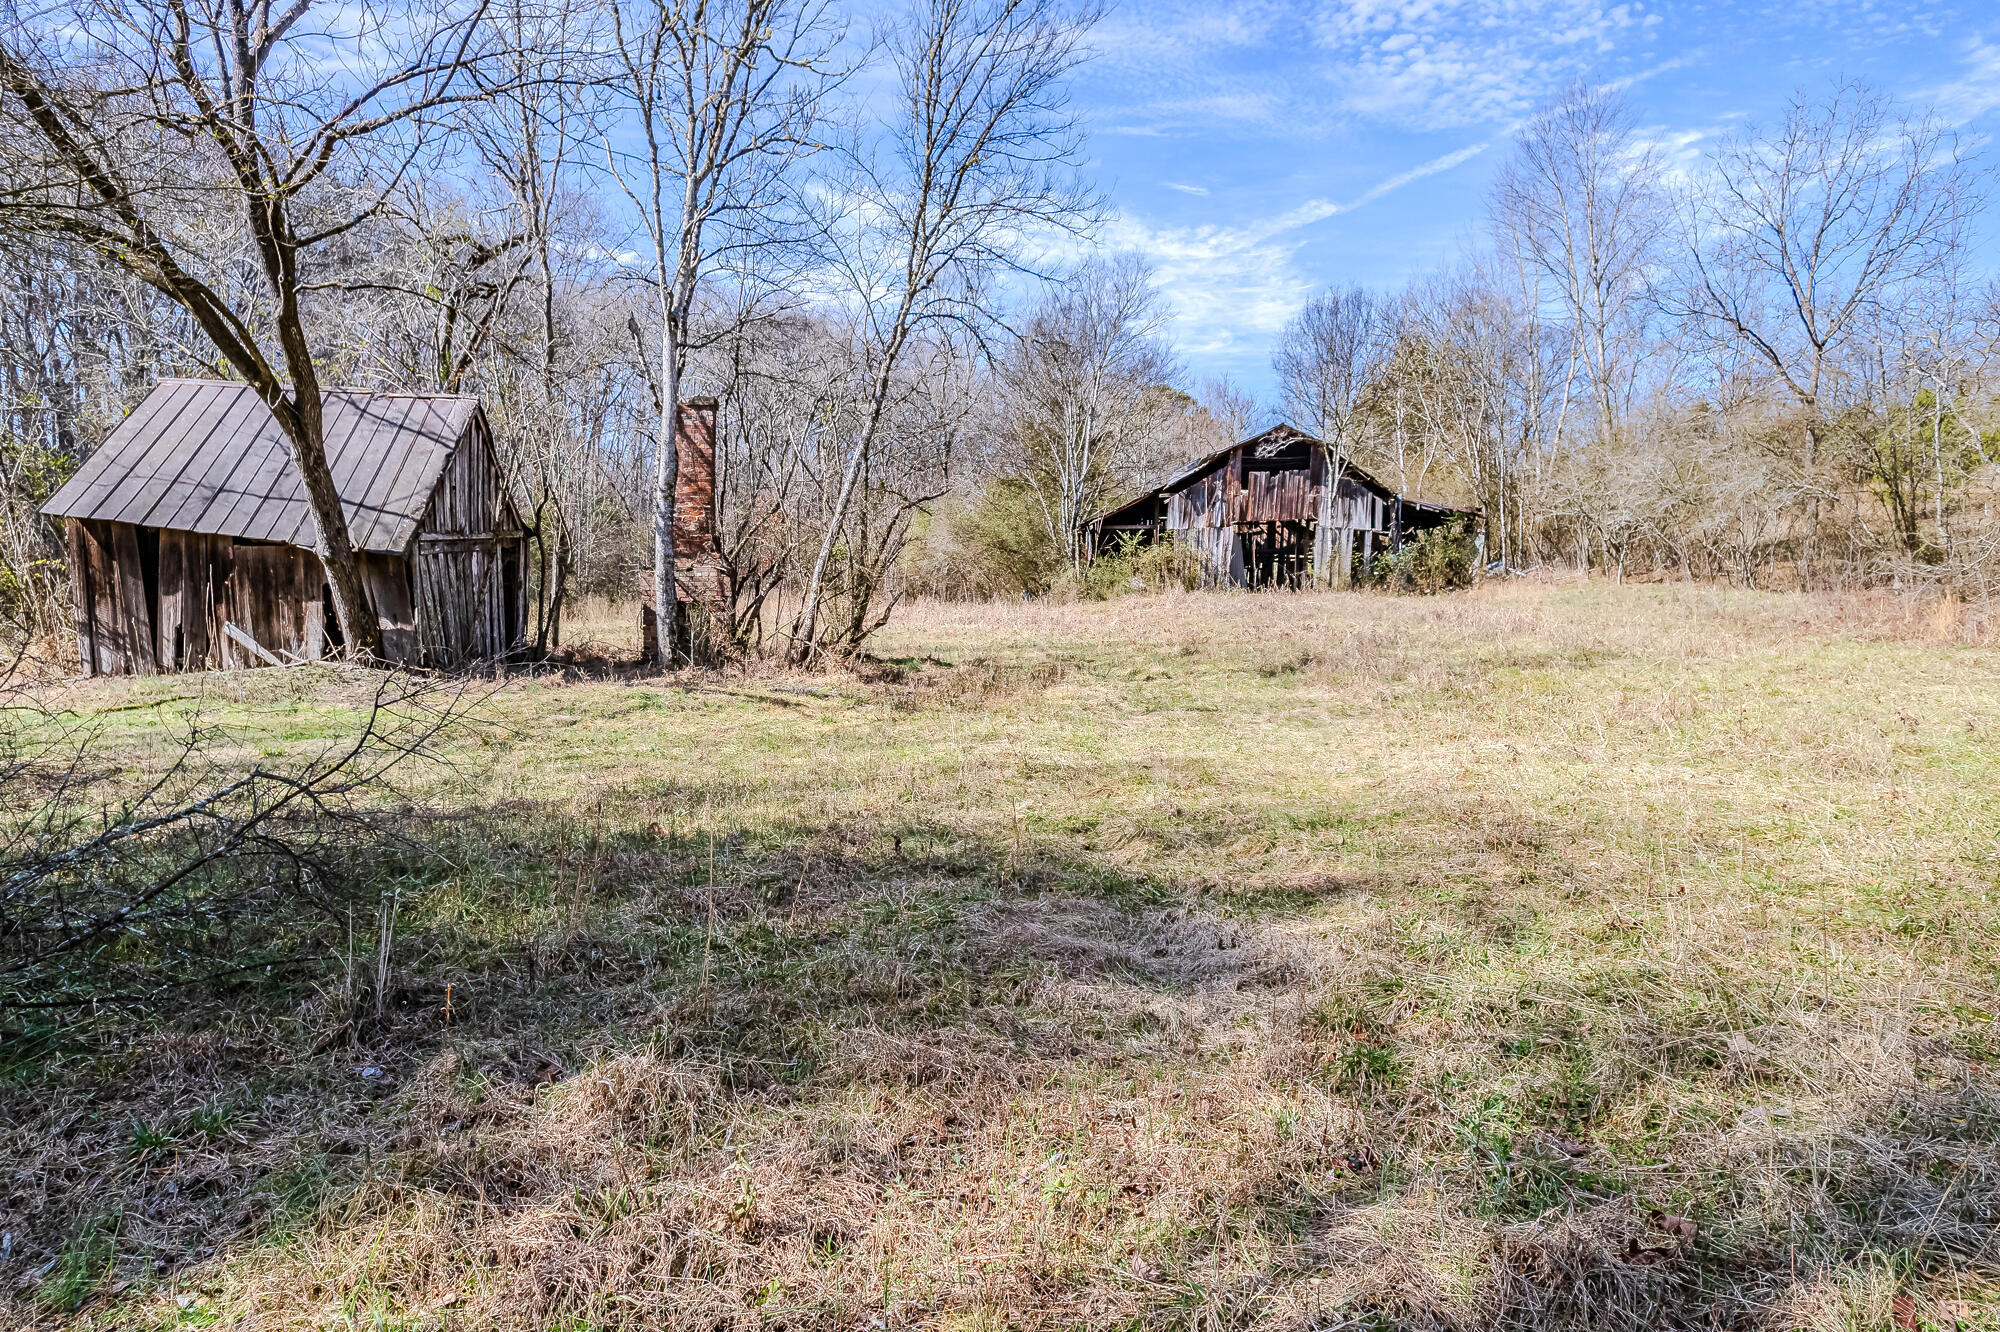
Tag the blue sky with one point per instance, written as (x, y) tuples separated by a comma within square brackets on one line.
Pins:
[(1257, 151)]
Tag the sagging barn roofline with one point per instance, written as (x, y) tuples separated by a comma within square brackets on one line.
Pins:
[(1260, 513)]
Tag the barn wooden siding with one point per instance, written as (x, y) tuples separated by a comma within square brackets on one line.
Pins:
[(188, 533), (1260, 513), (468, 561), (150, 601)]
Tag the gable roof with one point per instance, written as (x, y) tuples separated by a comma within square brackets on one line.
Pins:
[(202, 455), (1267, 445), (1271, 444)]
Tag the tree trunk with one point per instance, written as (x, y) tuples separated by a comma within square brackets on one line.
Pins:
[(666, 479), (302, 414), (805, 642)]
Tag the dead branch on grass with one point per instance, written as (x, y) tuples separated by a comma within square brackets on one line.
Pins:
[(121, 897)]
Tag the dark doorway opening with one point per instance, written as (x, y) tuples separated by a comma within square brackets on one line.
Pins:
[(1276, 554), (336, 642), (149, 574)]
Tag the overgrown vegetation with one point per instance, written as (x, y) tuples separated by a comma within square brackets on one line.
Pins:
[(1438, 560), (204, 872), (1537, 956), (1135, 567)]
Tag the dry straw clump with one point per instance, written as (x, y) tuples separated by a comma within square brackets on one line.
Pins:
[(1548, 956)]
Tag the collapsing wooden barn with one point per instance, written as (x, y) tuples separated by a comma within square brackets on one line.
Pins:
[(1261, 514), (190, 537)]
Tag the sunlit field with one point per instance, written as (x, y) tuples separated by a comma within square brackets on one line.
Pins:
[(1540, 956)]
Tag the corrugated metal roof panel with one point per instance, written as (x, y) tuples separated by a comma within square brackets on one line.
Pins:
[(207, 456)]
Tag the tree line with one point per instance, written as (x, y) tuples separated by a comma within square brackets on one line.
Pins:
[(873, 244), (1772, 363)]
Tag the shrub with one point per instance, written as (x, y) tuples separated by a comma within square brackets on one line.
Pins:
[(1437, 560), (1137, 567)]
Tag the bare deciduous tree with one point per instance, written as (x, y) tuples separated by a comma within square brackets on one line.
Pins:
[(1579, 202), (1326, 358), (1796, 238), (981, 152), (1076, 382), (722, 96), (178, 138)]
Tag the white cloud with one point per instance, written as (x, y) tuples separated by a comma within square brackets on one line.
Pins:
[(1299, 68), (1234, 286), (1977, 88), (1200, 191), (1435, 64)]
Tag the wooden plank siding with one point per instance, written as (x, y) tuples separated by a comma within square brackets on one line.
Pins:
[(465, 606), (190, 519), (194, 604), (387, 578), (1260, 513), (275, 597)]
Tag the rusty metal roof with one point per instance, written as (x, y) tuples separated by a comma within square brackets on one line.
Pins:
[(202, 455), (1270, 444)]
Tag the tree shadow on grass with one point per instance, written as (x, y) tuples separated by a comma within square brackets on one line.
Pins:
[(811, 1075)]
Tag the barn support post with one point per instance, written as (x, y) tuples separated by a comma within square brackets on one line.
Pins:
[(1343, 560), (1368, 555)]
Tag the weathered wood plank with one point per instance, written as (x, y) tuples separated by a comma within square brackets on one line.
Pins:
[(82, 553), (170, 646), (134, 613)]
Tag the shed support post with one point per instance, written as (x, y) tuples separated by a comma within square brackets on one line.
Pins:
[(1343, 560), (1368, 555)]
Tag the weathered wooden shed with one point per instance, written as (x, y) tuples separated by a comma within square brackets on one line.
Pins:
[(1261, 514), (191, 540)]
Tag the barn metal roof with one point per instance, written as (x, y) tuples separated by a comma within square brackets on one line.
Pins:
[(1269, 445), (202, 455)]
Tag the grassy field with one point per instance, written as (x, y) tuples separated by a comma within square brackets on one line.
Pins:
[(1543, 956)]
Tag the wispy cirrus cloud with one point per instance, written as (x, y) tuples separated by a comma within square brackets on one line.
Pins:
[(1234, 286), (1414, 64), (1294, 112), (1436, 64), (1976, 88)]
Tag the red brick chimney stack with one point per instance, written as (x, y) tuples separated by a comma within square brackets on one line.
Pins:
[(699, 577), (694, 493)]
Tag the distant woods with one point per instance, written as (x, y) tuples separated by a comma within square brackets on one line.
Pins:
[(872, 242), (1772, 362)]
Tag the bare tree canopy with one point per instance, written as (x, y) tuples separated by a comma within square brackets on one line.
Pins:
[(980, 155), (1580, 205), (1075, 383), (189, 142), (721, 96), (875, 244), (1797, 239), (1326, 358)]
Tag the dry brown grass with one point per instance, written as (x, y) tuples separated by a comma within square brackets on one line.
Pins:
[(1548, 956)]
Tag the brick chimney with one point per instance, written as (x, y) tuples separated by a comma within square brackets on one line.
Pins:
[(694, 493), (699, 577)]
